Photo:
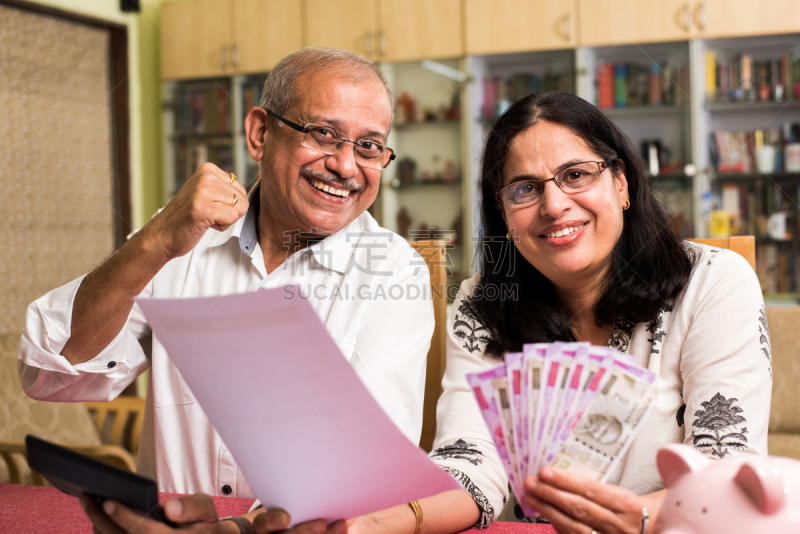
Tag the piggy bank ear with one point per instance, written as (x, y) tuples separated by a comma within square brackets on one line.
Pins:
[(676, 460), (763, 484)]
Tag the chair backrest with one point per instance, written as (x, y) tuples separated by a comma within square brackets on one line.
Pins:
[(785, 352), (433, 252), (744, 245), (119, 422)]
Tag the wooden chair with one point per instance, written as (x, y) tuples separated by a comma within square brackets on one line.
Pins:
[(12, 451), (433, 252), (744, 245), (119, 422)]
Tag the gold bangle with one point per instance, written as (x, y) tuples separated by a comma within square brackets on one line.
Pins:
[(418, 514)]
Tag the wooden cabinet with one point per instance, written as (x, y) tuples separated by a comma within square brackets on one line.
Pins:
[(264, 31), (348, 24), (196, 39), (735, 18), (518, 25), (387, 30), (612, 22), (207, 38), (419, 29)]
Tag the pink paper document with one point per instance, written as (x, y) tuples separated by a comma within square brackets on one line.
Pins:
[(305, 431)]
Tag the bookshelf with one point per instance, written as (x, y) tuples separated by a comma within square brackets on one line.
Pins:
[(422, 191), (750, 118), (203, 120), (200, 129), (646, 90), (669, 97)]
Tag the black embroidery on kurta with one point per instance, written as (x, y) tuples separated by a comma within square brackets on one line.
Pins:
[(467, 328), (487, 511), (680, 414), (714, 251), (460, 450), (656, 327), (763, 330), (621, 334), (717, 424)]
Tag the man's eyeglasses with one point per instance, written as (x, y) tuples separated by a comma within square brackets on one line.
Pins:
[(328, 140), (574, 179)]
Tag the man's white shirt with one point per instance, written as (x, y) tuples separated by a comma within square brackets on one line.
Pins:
[(368, 286)]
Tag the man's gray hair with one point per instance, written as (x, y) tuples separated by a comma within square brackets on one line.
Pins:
[(279, 87)]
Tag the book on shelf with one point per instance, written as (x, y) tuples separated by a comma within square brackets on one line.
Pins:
[(741, 78), (204, 111), (635, 85), (655, 90), (605, 85), (620, 92), (777, 268), (711, 72), (251, 96), (499, 92), (189, 156)]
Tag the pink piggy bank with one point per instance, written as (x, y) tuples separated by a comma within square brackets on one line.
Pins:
[(746, 494)]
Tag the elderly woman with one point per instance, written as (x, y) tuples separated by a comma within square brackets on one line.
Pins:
[(575, 248)]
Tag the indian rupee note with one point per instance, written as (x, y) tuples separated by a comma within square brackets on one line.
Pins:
[(604, 433)]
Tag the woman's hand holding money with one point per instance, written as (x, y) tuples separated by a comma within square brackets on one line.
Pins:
[(578, 505)]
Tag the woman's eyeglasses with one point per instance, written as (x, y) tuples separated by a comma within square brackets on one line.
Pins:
[(574, 179), (328, 140)]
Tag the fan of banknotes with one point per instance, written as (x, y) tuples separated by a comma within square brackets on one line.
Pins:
[(571, 405)]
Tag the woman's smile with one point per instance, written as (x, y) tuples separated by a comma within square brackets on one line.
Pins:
[(563, 233)]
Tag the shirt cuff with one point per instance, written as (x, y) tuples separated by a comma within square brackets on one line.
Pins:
[(111, 362)]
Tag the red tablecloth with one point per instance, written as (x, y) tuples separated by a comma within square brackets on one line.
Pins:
[(37, 510)]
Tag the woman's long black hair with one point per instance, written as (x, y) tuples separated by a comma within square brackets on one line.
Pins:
[(650, 264)]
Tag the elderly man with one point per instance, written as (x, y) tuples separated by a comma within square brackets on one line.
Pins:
[(320, 137)]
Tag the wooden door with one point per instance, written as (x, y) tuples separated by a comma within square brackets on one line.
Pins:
[(348, 24), (195, 38), (519, 25), (611, 22), (411, 30), (733, 18)]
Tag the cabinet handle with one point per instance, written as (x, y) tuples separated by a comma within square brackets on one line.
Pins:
[(223, 57), (384, 45), (568, 27), (687, 18), (235, 55), (368, 45), (701, 16)]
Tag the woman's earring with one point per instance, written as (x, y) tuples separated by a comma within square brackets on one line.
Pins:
[(627, 205), (508, 236)]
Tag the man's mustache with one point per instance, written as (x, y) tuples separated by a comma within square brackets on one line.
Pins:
[(341, 183)]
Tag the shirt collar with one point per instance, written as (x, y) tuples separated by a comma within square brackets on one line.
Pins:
[(334, 252)]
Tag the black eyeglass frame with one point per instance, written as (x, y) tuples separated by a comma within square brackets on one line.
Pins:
[(602, 166), (306, 130)]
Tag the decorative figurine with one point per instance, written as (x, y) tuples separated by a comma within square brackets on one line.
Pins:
[(403, 222), (450, 174), (406, 170)]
